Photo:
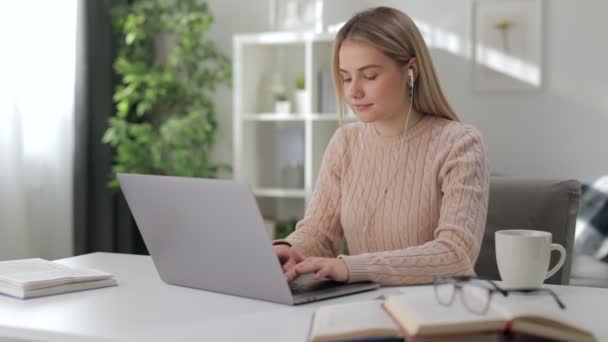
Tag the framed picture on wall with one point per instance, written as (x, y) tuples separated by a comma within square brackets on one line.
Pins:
[(506, 45), (296, 15)]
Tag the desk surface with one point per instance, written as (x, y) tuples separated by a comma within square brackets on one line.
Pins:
[(142, 307)]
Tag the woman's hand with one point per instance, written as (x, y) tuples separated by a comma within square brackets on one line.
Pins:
[(332, 268), (288, 256)]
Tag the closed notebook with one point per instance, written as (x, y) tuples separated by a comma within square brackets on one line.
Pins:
[(29, 278), (420, 317)]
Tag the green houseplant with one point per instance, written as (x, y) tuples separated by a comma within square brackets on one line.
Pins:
[(165, 120)]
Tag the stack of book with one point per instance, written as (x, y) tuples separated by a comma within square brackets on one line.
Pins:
[(28, 278)]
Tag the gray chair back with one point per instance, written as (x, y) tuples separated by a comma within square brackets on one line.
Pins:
[(524, 203)]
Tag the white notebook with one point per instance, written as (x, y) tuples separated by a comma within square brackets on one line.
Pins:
[(29, 278)]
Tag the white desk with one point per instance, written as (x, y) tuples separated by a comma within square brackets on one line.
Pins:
[(143, 308)]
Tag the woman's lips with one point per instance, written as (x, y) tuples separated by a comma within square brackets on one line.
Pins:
[(362, 107)]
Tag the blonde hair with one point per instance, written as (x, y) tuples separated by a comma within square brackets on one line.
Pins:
[(394, 33)]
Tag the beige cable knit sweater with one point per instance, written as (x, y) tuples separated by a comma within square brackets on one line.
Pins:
[(424, 196)]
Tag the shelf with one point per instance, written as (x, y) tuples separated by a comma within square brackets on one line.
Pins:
[(265, 141), (274, 117), (281, 193)]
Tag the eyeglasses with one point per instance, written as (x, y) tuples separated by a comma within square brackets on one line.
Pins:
[(476, 294)]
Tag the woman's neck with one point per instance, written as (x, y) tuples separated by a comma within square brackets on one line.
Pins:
[(396, 126)]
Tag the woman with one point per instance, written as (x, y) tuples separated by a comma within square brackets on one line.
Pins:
[(407, 185)]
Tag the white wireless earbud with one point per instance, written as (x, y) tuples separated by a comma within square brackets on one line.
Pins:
[(410, 73)]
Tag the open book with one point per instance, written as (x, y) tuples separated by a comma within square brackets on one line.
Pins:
[(29, 278), (367, 321), (420, 317), (352, 321)]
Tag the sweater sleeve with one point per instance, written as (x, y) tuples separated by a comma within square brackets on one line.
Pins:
[(464, 184), (320, 233)]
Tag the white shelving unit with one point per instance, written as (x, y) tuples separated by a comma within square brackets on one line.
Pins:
[(256, 58)]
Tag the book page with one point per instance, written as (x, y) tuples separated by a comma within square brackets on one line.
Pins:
[(37, 273), (351, 320), (539, 313), (421, 314), (516, 304)]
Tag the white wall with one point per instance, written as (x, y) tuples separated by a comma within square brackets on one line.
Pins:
[(558, 131)]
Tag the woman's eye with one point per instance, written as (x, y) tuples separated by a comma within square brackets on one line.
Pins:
[(346, 80), (371, 78)]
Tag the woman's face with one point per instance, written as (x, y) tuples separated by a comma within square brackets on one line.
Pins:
[(375, 86)]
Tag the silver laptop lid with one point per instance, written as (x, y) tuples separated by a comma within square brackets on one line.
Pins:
[(206, 234)]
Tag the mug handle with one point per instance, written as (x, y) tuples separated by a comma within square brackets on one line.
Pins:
[(560, 262)]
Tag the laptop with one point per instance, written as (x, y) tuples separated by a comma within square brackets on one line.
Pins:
[(209, 234)]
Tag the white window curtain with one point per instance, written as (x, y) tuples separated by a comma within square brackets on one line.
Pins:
[(37, 76)]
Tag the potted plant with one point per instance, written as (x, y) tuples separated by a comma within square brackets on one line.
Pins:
[(281, 103), (300, 95), (165, 119)]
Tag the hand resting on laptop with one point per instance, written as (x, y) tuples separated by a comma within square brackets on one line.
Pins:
[(294, 264), (288, 256)]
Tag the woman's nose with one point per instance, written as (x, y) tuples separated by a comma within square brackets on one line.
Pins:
[(354, 90)]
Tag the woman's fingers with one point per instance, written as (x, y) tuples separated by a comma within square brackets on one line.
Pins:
[(297, 255), (295, 258), (298, 269), (289, 264), (325, 272), (310, 265), (288, 257), (291, 274)]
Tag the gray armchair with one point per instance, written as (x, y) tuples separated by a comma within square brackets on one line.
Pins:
[(523, 203)]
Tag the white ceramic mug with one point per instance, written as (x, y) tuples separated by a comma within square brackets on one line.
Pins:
[(523, 257)]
